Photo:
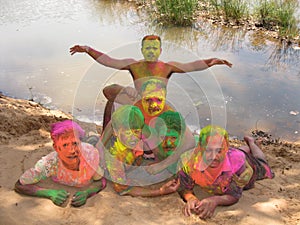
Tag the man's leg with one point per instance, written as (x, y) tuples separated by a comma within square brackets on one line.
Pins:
[(115, 93), (110, 92), (254, 149)]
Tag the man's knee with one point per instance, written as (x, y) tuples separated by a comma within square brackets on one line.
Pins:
[(111, 91)]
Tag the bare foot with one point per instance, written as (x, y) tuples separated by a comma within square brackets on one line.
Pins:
[(249, 140)]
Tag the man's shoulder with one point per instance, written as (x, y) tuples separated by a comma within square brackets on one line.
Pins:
[(89, 150)]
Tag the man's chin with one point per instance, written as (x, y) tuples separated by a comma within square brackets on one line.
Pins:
[(214, 164)]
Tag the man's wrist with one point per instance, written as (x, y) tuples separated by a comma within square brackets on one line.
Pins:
[(190, 196), (86, 48)]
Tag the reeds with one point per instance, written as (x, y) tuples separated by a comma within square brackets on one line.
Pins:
[(231, 9), (177, 12), (271, 14)]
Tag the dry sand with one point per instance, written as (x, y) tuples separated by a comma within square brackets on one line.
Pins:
[(24, 138)]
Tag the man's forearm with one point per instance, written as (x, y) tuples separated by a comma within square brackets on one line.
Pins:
[(224, 200), (27, 189), (93, 53), (96, 186)]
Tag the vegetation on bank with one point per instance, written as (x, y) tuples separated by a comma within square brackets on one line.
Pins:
[(273, 15)]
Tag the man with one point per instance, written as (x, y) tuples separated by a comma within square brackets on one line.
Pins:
[(222, 171), (170, 127), (153, 102), (150, 66), (123, 150), (73, 163)]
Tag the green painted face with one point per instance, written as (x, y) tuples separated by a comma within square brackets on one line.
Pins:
[(169, 142), (151, 50)]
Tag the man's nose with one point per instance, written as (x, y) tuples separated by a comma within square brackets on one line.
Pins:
[(73, 149), (169, 142), (153, 103)]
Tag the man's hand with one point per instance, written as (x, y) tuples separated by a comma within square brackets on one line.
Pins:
[(191, 206), (217, 61), (78, 48), (58, 197), (79, 198), (170, 187), (206, 208)]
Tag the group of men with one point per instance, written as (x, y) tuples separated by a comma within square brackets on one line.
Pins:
[(145, 141)]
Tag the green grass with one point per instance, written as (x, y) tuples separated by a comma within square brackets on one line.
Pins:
[(177, 12), (231, 9), (279, 14)]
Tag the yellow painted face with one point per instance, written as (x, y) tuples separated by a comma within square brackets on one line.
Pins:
[(151, 50), (129, 137), (153, 100)]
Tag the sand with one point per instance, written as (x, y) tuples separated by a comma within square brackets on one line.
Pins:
[(24, 138)]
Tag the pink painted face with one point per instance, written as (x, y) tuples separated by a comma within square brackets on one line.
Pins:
[(215, 151), (153, 100), (68, 148)]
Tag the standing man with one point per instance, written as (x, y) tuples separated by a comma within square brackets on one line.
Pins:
[(148, 67)]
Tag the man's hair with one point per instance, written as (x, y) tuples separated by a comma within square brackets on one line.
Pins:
[(212, 130), (151, 37), (127, 117), (158, 83), (63, 127), (172, 120)]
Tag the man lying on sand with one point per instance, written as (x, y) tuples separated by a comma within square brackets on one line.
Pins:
[(221, 171), (73, 163)]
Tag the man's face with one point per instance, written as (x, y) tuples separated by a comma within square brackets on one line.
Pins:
[(169, 142), (68, 148), (129, 137), (151, 50), (153, 100), (215, 151)]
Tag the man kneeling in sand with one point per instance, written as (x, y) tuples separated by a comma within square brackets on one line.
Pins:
[(73, 163)]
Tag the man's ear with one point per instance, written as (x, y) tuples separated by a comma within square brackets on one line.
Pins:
[(55, 147)]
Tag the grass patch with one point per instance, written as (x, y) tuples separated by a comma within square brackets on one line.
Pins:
[(177, 12), (231, 9), (280, 15)]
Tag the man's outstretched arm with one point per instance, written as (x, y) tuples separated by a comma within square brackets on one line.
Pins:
[(197, 65), (58, 197), (102, 58)]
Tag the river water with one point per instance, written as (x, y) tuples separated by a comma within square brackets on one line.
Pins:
[(261, 90)]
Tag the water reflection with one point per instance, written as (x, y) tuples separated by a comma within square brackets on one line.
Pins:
[(283, 57), (262, 85)]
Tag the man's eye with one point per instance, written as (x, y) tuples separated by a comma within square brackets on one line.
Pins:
[(208, 150), (75, 143), (128, 132), (65, 145)]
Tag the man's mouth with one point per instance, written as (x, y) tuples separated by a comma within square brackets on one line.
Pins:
[(154, 109)]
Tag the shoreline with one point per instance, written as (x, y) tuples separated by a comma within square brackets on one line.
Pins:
[(25, 138)]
